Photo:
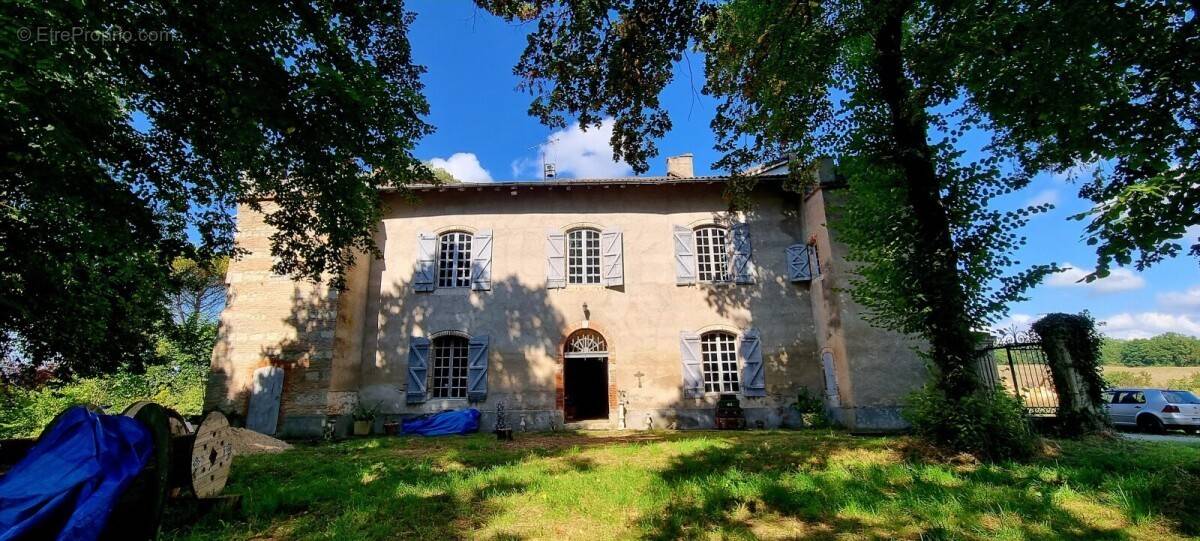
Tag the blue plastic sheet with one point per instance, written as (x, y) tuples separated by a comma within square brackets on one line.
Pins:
[(444, 423), (68, 484)]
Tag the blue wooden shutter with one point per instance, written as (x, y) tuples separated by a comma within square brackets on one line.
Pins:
[(750, 350), (423, 274), (556, 262), (612, 261), (481, 260), (740, 267), (685, 255), (418, 367), (477, 368), (799, 263), (693, 372)]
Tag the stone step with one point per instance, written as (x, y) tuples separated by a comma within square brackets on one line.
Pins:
[(593, 424)]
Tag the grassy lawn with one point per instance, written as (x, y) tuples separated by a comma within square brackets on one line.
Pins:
[(721, 485)]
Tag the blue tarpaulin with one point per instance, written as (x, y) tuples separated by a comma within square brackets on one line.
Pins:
[(70, 481), (444, 423)]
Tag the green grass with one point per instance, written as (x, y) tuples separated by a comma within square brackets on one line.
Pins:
[(721, 485)]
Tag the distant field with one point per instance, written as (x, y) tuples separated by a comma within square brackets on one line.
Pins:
[(1159, 375)]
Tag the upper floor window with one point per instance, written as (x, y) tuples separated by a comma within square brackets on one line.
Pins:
[(454, 260), (712, 254), (583, 256), (449, 367), (718, 353)]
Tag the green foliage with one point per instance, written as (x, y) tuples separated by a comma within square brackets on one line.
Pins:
[(1108, 83), (1127, 379), (1110, 351), (806, 402), (24, 413), (315, 106), (1191, 383), (1167, 349), (1078, 334), (442, 176), (177, 381), (363, 413), (987, 424)]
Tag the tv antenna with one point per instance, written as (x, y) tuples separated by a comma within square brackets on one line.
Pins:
[(548, 170)]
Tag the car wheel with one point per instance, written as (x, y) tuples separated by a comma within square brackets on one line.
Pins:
[(1151, 424)]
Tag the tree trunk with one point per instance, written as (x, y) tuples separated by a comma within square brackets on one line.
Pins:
[(947, 326)]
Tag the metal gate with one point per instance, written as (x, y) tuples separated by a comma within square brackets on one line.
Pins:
[(1015, 363)]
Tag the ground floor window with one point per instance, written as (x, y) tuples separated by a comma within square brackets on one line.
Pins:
[(449, 367), (719, 355)]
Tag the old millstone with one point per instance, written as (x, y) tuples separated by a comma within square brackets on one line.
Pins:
[(263, 413)]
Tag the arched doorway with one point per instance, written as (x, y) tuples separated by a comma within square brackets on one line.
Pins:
[(585, 376)]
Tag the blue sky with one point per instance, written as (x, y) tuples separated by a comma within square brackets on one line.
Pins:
[(483, 133)]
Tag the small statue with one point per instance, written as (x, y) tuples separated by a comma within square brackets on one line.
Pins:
[(503, 432), (524, 427)]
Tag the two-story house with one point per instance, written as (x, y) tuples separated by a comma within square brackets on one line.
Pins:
[(624, 302)]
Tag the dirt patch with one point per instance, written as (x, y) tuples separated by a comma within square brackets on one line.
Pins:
[(249, 442)]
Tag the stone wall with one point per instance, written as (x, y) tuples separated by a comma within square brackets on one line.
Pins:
[(348, 347)]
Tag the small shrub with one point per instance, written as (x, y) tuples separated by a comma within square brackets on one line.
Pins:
[(1127, 379), (1190, 383), (986, 424), (810, 406)]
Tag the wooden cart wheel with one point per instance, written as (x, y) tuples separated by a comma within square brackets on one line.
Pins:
[(212, 456)]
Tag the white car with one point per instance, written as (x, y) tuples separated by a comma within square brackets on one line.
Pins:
[(1153, 410)]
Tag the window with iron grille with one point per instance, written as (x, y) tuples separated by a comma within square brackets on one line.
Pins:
[(583, 256), (712, 254), (449, 367), (718, 352), (454, 260)]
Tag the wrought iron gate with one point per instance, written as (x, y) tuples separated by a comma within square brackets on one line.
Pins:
[(1015, 363)]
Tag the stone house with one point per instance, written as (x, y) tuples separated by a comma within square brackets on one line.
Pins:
[(623, 303)]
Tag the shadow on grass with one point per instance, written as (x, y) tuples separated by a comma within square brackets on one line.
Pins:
[(751, 488), (808, 484)]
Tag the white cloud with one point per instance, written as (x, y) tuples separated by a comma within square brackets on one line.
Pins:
[(464, 166), (1118, 280), (1187, 300), (576, 153), (1043, 197), (1147, 324)]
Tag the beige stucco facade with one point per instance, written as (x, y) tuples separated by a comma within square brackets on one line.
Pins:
[(341, 347)]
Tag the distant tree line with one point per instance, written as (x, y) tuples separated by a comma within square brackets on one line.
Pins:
[(1167, 349)]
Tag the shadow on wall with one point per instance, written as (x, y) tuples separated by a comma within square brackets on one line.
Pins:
[(771, 298), (519, 320), (302, 349)]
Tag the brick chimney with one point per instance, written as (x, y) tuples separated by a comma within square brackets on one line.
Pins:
[(680, 166)]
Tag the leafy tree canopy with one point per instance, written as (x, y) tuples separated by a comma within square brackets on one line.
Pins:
[(1167, 349), (156, 119), (890, 87)]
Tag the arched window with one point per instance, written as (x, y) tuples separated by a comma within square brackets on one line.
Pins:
[(449, 367), (712, 254), (718, 354), (454, 259), (583, 256)]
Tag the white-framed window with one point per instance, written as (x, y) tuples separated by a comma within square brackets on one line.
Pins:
[(583, 256), (712, 254), (454, 259), (718, 355), (449, 367)]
